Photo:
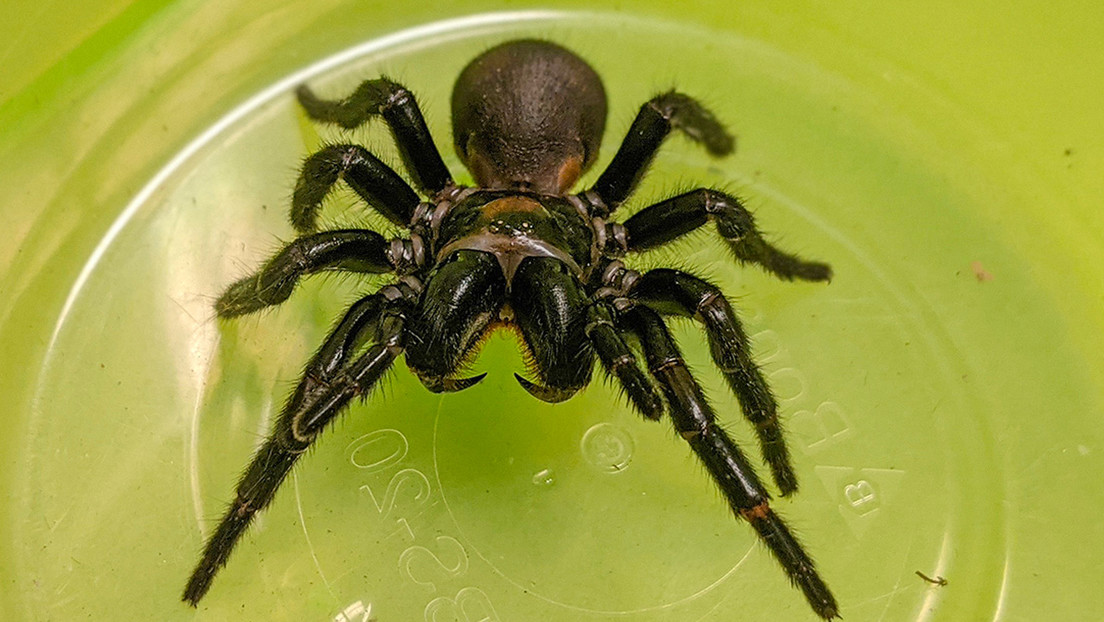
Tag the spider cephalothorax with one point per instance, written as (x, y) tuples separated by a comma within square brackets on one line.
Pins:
[(520, 248)]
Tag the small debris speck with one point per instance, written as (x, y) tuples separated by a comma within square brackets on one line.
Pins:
[(938, 580), (980, 272)]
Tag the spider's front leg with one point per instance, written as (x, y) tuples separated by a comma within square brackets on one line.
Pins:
[(695, 422), (687, 295), (656, 119), (660, 223), (375, 182), (327, 385), (349, 250), (397, 106)]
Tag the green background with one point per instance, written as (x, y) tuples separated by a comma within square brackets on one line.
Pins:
[(944, 393)]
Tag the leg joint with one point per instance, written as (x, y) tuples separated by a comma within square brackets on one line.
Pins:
[(625, 360), (244, 508), (767, 421), (667, 363), (669, 105), (617, 281), (297, 257), (595, 323), (351, 155), (711, 299), (756, 513), (406, 255), (716, 203), (397, 95)]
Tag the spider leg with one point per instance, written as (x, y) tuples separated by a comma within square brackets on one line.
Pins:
[(656, 119), (353, 250), (375, 182), (400, 110), (550, 307), (695, 422), (620, 362), (660, 223), (327, 385), (461, 300), (678, 292)]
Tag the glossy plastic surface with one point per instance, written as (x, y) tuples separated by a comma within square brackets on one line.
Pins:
[(943, 394)]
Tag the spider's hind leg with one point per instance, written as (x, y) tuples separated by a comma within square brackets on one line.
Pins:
[(687, 295), (397, 106), (695, 422), (327, 384)]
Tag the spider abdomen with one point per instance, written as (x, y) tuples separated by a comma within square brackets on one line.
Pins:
[(528, 115)]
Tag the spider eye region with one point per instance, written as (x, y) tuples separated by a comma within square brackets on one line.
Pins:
[(512, 228), (513, 207)]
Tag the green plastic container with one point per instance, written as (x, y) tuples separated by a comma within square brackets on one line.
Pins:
[(943, 395)]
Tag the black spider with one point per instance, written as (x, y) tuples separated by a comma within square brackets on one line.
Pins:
[(519, 248)]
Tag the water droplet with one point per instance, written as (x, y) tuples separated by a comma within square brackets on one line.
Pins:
[(544, 477), (607, 447)]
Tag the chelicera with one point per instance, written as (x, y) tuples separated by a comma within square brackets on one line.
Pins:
[(519, 248)]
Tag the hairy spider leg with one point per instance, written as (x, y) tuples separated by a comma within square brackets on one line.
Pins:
[(462, 298), (549, 306), (326, 386), (619, 361), (400, 110), (672, 291), (656, 119), (694, 420), (664, 221), (350, 250), (375, 182)]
